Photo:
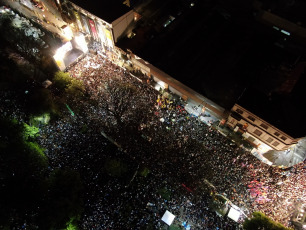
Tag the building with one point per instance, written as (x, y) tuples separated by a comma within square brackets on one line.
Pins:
[(269, 122), (287, 17), (258, 131), (86, 22), (262, 125), (106, 22)]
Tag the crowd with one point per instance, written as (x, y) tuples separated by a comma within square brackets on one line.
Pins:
[(237, 174), (177, 148)]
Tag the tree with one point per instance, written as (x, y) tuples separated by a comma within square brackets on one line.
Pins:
[(67, 85), (61, 80), (30, 131), (28, 194), (63, 205), (75, 88), (260, 221), (144, 172), (71, 224), (118, 98), (125, 103), (174, 227), (23, 167), (11, 75)]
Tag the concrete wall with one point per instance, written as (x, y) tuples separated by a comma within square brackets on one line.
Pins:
[(121, 24), (178, 88), (260, 129)]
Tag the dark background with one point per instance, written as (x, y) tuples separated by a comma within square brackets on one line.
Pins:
[(219, 49)]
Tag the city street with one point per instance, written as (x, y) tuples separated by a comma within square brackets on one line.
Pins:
[(141, 151)]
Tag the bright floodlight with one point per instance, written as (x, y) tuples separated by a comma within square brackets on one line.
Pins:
[(60, 54), (162, 84), (81, 42), (67, 32), (234, 214), (157, 87), (168, 218)]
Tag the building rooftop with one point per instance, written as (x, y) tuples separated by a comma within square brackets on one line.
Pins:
[(108, 10), (293, 11), (282, 111)]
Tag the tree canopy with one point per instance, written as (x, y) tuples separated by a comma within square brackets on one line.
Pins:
[(124, 102), (260, 221), (23, 167), (28, 191)]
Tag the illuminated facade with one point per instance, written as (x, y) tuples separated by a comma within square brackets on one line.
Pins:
[(258, 132), (82, 25), (93, 26), (61, 56), (105, 23)]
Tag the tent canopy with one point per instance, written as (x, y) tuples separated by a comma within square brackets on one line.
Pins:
[(168, 217)]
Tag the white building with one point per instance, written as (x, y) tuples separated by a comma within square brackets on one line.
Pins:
[(105, 21), (258, 131)]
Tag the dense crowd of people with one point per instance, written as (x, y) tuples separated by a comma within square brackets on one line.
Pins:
[(237, 174), (179, 150)]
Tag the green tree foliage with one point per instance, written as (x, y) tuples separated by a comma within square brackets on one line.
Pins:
[(174, 227), (115, 167), (71, 224), (30, 131), (61, 80), (28, 193), (260, 221), (144, 172), (42, 119), (67, 85), (75, 88), (38, 151), (22, 168)]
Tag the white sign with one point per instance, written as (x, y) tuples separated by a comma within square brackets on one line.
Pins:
[(234, 214), (168, 218)]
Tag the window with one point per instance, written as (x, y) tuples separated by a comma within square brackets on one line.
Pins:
[(269, 140), (284, 138), (251, 118), (251, 139), (264, 126), (239, 111), (257, 132), (276, 134), (275, 143)]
